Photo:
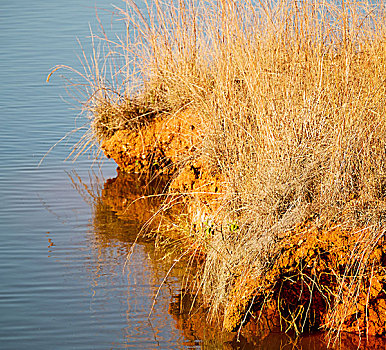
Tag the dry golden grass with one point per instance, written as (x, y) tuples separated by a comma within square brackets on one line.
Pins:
[(293, 97)]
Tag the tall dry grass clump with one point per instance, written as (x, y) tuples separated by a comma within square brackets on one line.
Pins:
[(296, 122), (292, 94)]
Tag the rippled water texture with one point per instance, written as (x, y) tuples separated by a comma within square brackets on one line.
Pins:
[(64, 279), (61, 285)]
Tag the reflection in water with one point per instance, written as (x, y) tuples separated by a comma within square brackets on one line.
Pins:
[(132, 199), (121, 207)]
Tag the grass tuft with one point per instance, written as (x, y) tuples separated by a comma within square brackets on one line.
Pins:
[(292, 95)]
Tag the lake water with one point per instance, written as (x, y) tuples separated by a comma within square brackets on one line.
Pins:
[(61, 285), (65, 282)]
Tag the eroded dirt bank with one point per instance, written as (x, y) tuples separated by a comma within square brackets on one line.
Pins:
[(312, 283)]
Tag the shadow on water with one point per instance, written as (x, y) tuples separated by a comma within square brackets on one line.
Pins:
[(122, 207)]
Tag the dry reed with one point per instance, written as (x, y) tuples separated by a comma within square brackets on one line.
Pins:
[(292, 94)]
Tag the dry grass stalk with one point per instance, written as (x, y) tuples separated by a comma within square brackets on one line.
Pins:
[(293, 97)]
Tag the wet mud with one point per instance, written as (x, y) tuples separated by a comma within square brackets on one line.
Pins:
[(311, 284)]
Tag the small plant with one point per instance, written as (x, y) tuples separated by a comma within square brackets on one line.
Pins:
[(208, 230), (233, 227)]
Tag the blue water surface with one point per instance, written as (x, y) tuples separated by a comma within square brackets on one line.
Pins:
[(58, 288), (65, 281)]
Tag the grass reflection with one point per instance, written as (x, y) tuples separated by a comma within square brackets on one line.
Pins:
[(124, 206)]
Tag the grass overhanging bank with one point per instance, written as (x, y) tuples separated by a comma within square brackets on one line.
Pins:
[(269, 116)]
